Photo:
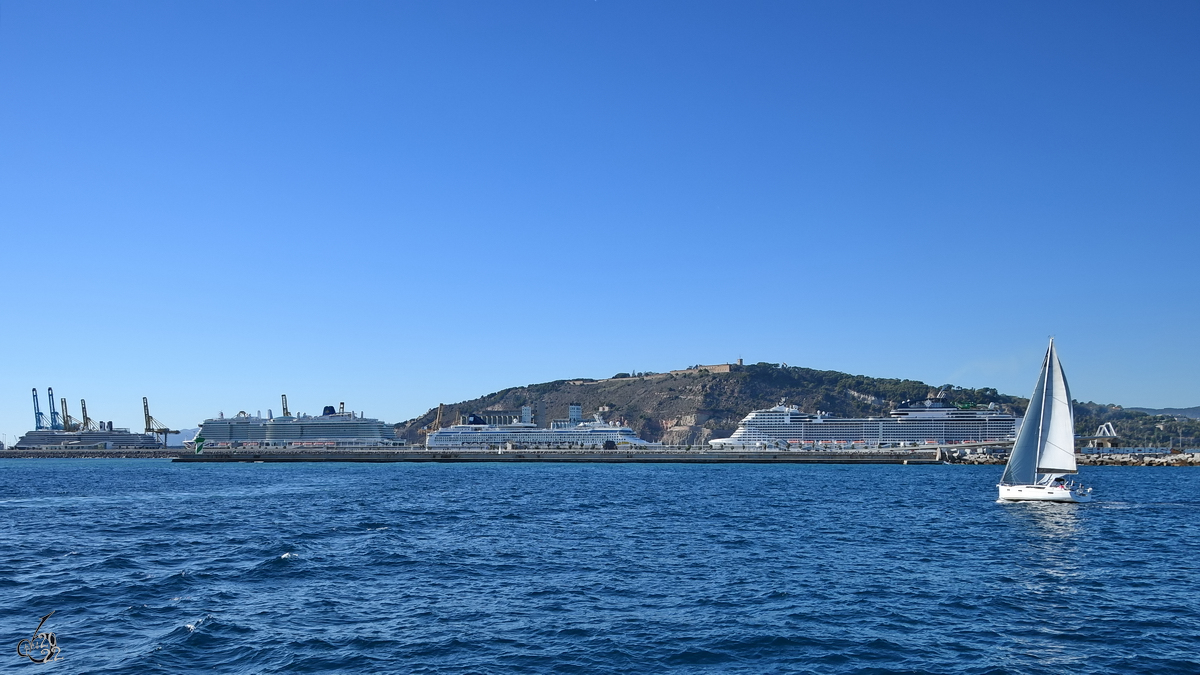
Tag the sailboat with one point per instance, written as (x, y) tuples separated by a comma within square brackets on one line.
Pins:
[(1044, 451)]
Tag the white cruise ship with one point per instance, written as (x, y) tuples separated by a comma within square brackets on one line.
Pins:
[(933, 420), (333, 430), (572, 432)]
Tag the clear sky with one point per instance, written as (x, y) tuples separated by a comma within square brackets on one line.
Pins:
[(398, 204)]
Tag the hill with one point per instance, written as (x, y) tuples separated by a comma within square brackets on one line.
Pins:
[(1193, 412), (693, 406)]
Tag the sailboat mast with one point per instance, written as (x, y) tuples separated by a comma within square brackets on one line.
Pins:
[(1042, 417)]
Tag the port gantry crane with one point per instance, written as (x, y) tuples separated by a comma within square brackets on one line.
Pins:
[(55, 421), (39, 418), (88, 423), (69, 423), (153, 426), (434, 425)]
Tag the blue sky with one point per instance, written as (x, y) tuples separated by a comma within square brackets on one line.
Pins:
[(398, 204)]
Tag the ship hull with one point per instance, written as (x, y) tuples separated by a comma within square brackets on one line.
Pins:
[(1042, 493)]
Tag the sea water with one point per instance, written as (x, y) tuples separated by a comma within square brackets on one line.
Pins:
[(154, 567)]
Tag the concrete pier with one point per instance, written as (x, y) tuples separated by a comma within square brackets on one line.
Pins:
[(655, 456), (665, 454)]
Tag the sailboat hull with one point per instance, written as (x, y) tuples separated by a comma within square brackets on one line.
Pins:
[(1043, 493)]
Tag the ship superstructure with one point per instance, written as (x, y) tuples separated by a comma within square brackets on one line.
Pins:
[(110, 438), (573, 432), (333, 429), (933, 420)]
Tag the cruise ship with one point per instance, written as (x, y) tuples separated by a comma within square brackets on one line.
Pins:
[(108, 438), (59, 431), (933, 420), (573, 432), (332, 430)]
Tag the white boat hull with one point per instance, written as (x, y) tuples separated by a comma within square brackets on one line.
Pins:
[(1044, 493)]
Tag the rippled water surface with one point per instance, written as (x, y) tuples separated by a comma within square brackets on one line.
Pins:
[(481, 568)]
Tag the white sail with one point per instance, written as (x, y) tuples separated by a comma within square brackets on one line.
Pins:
[(1046, 441), (1058, 444)]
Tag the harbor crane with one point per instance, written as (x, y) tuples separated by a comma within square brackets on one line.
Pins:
[(39, 418), (153, 426), (55, 421), (435, 424), (89, 424), (69, 423)]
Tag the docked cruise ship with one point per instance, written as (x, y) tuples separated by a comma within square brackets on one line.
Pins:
[(573, 432), (333, 430), (106, 438), (933, 420)]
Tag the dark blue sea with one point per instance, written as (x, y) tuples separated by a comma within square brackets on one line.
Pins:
[(154, 567)]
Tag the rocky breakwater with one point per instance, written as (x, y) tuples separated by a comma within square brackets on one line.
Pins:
[(1095, 458), (1139, 459)]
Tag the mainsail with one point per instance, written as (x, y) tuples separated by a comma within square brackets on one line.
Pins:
[(1046, 442)]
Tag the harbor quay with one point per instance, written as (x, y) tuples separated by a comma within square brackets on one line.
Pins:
[(655, 455), (660, 454)]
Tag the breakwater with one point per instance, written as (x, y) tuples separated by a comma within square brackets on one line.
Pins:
[(1191, 458), (160, 453)]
